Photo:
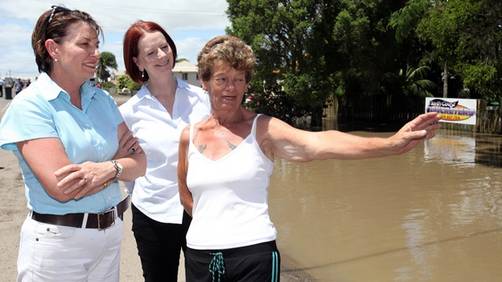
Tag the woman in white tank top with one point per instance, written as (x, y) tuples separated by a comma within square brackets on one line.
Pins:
[(225, 162)]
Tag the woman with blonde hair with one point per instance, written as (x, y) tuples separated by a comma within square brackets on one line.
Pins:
[(226, 160)]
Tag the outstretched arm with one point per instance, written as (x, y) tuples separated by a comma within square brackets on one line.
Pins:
[(280, 140)]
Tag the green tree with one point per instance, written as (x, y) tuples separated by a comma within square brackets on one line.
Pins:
[(463, 36), (403, 23), (293, 74), (439, 26), (106, 61), (309, 50), (415, 82), (369, 57), (124, 81), (479, 47)]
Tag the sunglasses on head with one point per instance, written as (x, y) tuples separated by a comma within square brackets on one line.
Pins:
[(56, 9)]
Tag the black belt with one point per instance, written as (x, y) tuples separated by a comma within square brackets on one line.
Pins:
[(94, 220)]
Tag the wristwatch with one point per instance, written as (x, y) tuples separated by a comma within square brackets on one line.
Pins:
[(119, 168)]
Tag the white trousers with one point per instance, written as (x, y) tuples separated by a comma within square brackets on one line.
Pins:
[(58, 253)]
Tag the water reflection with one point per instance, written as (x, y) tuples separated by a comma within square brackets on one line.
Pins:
[(413, 225), (451, 149), (465, 149), (489, 150), (423, 216)]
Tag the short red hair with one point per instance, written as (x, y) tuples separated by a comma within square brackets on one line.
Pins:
[(131, 40)]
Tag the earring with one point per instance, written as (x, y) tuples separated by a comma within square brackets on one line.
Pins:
[(142, 74)]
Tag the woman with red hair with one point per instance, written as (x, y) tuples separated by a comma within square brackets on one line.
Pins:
[(156, 115)]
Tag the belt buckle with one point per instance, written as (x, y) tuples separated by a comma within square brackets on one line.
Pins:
[(104, 214)]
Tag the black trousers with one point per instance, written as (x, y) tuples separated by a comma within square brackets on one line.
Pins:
[(255, 263), (159, 245)]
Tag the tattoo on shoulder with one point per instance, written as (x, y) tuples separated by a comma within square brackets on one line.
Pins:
[(230, 145), (202, 147)]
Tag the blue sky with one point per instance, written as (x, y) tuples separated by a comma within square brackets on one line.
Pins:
[(191, 23)]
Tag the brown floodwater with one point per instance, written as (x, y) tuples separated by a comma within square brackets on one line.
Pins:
[(433, 214)]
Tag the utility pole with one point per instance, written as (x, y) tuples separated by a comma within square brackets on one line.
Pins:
[(445, 80)]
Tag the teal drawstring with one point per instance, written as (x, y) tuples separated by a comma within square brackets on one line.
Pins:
[(217, 266)]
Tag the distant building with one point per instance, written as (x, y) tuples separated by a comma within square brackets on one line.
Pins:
[(186, 71)]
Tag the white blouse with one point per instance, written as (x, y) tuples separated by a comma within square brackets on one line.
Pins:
[(156, 193)]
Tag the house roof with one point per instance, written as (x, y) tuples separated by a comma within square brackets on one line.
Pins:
[(184, 65)]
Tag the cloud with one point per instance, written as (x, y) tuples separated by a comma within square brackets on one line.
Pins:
[(190, 48), (190, 23), (11, 35), (117, 15), (16, 56)]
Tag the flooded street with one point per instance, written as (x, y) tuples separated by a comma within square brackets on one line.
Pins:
[(433, 214)]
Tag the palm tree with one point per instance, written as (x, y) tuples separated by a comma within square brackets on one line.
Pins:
[(415, 83), (106, 60)]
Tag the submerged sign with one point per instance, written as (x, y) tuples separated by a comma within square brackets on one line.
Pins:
[(453, 110)]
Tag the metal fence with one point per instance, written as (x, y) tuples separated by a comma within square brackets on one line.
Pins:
[(395, 110)]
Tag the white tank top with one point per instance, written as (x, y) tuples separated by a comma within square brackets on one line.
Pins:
[(230, 196)]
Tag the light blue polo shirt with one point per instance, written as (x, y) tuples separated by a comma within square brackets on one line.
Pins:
[(44, 110)]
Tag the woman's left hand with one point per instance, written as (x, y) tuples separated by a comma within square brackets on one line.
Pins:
[(128, 145), (85, 179)]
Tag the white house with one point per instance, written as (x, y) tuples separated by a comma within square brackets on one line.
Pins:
[(186, 71)]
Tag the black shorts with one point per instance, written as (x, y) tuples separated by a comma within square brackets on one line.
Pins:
[(255, 263)]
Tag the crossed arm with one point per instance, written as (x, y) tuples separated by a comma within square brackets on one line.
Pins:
[(65, 181)]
